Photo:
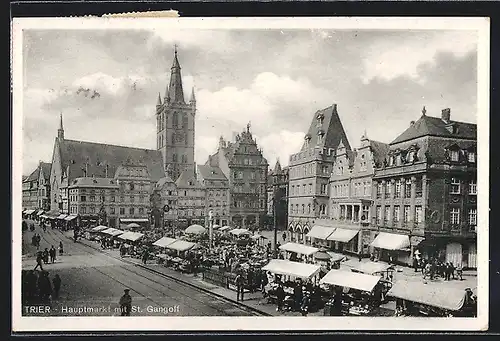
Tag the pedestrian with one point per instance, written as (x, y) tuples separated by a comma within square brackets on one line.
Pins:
[(459, 271), (46, 255), (44, 286), (304, 308), (280, 297), (61, 249), (30, 281), (284, 236), (126, 303), (415, 264), (359, 256), (240, 288), (52, 254), (297, 295), (39, 261), (145, 256), (57, 285), (452, 270), (250, 280)]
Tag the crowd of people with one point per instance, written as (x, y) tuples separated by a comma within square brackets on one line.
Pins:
[(37, 286)]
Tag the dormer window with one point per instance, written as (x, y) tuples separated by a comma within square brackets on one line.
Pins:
[(319, 120), (454, 155)]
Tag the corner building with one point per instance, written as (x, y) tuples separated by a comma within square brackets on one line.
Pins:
[(425, 193), (309, 172)]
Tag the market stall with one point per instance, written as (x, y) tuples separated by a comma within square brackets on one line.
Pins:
[(110, 235), (224, 228), (195, 229), (180, 262), (241, 236), (381, 269), (129, 245), (295, 249), (433, 300)]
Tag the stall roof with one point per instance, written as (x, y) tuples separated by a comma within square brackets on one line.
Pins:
[(70, 217), (335, 257), (438, 296), (99, 228), (131, 236), (320, 232), (296, 269), (40, 212), (342, 235), (134, 220), (369, 267), (61, 216), (391, 241), (239, 232), (164, 242), (350, 280), (28, 211), (181, 245), (224, 228), (299, 248), (258, 236), (195, 229), (113, 232)]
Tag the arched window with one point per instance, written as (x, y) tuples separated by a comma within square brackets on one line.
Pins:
[(174, 157), (184, 121), (175, 120)]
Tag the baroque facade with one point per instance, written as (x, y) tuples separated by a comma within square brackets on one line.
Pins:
[(309, 172), (426, 190), (277, 191), (216, 187), (245, 167)]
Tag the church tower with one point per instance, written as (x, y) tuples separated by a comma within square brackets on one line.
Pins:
[(175, 125)]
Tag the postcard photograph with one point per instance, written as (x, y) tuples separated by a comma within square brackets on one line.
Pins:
[(250, 174)]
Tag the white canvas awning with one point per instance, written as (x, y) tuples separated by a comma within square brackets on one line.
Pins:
[(29, 211), (134, 220), (224, 228), (433, 295), (164, 242), (131, 236), (39, 213), (99, 228), (61, 216), (239, 232), (350, 280), (391, 241), (113, 232), (70, 217), (195, 229), (295, 269), (299, 248), (369, 267), (181, 245), (342, 235), (320, 232)]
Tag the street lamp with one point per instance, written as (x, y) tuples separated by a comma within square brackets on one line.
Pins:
[(210, 228), (275, 223)]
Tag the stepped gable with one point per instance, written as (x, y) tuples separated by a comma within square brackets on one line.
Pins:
[(102, 160)]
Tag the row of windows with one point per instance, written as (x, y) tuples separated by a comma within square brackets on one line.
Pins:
[(216, 193), (216, 203), (308, 170), (239, 175), (112, 210), (359, 188), (183, 158), (248, 188), (395, 215), (307, 189), (102, 198), (177, 118), (306, 209), (401, 188), (245, 204), (456, 185)]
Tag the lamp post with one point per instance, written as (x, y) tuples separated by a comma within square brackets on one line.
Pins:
[(210, 228), (275, 220)]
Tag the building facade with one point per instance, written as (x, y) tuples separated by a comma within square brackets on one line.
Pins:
[(175, 125), (427, 190), (191, 200), (245, 167), (309, 172), (217, 191), (166, 202), (36, 188), (351, 194), (277, 192)]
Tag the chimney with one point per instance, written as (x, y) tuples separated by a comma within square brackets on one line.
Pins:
[(445, 115), (412, 123)]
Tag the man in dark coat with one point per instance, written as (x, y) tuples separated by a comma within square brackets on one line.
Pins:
[(280, 296), (240, 287), (57, 285), (39, 261), (52, 254), (45, 255), (44, 286), (126, 303)]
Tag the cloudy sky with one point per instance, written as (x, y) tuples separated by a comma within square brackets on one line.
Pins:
[(276, 79)]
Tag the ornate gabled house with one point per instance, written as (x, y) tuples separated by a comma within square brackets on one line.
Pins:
[(36, 189), (243, 164), (425, 193), (216, 187), (191, 200), (73, 160), (309, 172), (175, 125), (164, 202), (351, 195)]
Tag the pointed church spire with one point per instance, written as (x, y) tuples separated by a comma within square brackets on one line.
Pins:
[(175, 91), (424, 111), (158, 102), (193, 97), (60, 131), (277, 166)]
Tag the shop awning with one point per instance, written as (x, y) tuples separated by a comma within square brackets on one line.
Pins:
[(39, 213), (70, 217), (215, 227), (295, 269), (29, 211), (224, 228), (113, 232), (342, 235), (299, 248), (350, 280), (131, 236), (391, 241), (369, 267), (164, 242), (195, 229), (434, 295), (181, 245), (320, 232), (239, 232), (61, 216), (258, 236), (335, 257), (99, 228), (134, 220)]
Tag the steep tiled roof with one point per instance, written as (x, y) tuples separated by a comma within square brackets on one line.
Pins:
[(46, 169), (94, 182), (76, 154), (34, 175), (164, 181), (379, 150), (187, 180), (332, 128), (211, 173), (434, 126)]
